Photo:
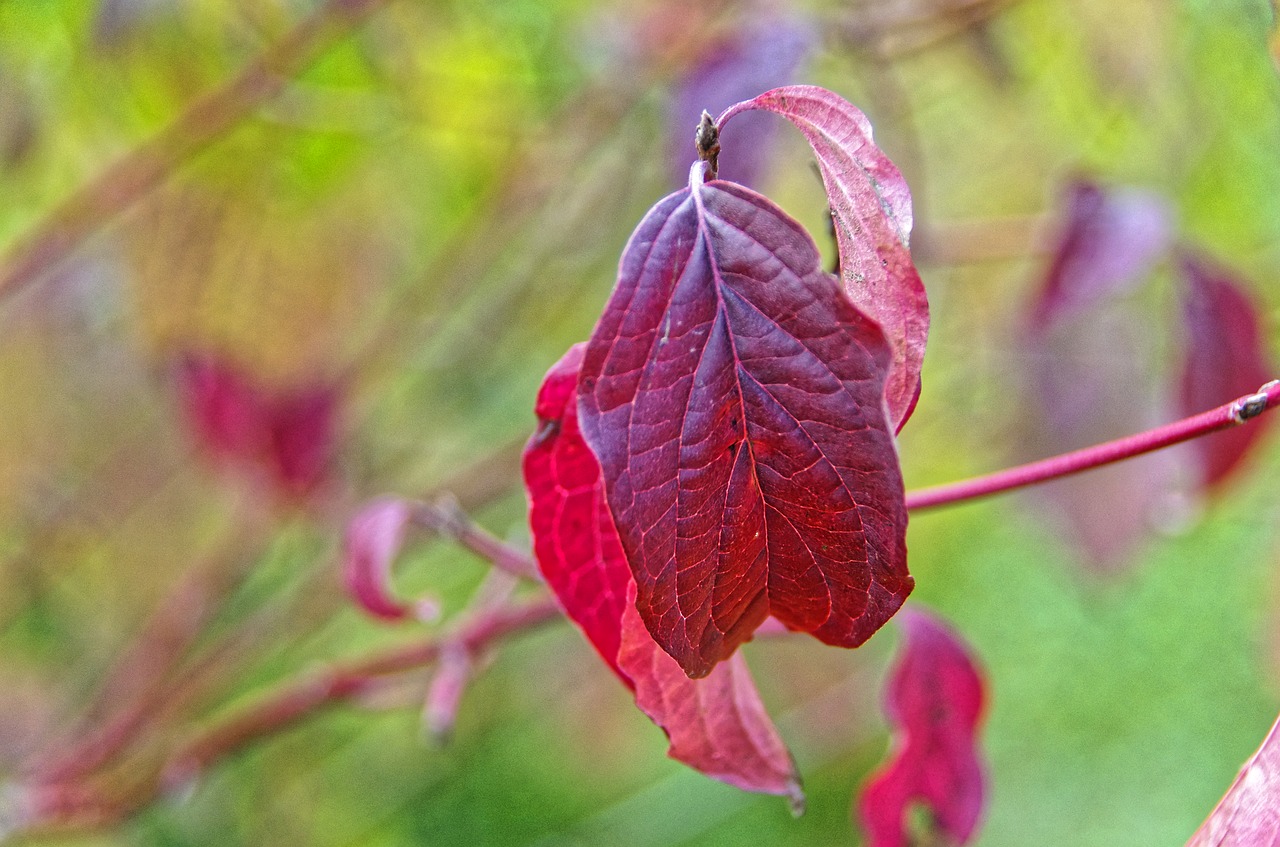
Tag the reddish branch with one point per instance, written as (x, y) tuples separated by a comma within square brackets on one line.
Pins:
[(1237, 412), (77, 804), (131, 178)]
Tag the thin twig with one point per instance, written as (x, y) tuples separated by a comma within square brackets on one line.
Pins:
[(1238, 411)]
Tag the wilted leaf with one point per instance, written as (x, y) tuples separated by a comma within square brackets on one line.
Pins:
[(871, 207), (373, 540), (734, 398), (1249, 814), (716, 725), (1226, 358), (759, 56), (934, 701)]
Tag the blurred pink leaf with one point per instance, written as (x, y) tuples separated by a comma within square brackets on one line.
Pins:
[(716, 725), (761, 55), (1249, 814), (934, 701), (1093, 371), (290, 435), (871, 208), (1226, 357), (373, 540), (1111, 240)]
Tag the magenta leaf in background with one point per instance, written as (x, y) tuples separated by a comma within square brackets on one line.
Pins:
[(373, 540), (1111, 239), (934, 702), (871, 208), (1225, 358), (734, 398), (761, 55), (716, 725), (290, 434), (1093, 361), (1249, 814)]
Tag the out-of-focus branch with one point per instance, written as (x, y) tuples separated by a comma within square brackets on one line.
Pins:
[(99, 202)]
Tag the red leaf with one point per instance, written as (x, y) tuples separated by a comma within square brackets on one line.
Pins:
[(1111, 240), (373, 540), (761, 55), (574, 540), (716, 725), (934, 700), (871, 207), (1249, 814), (734, 398), (1225, 358)]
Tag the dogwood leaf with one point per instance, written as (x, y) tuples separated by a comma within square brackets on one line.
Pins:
[(1225, 358), (716, 725), (871, 208), (735, 400), (934, 700), (1249, 814)]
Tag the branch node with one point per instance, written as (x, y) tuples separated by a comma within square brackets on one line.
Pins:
[(707, 141), (1253, 405)]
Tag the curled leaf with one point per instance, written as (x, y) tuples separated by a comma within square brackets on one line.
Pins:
[(871, 209), (1249, 814), (716, 725), (373, 540), (934, 701), (1225, 358), (734, 398)]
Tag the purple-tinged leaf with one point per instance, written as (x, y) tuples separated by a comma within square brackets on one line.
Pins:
[(760, 56), (871, 208), (934, 701), (1249, 814), (1226, 357), (1111, 239), (716, 725), (574, 539), (373, 540), (735, 400), (1092, 361)]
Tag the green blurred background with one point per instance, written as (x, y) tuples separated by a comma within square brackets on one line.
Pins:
[(424, 218)]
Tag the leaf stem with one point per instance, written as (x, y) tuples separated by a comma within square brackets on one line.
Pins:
[(1238, 411)]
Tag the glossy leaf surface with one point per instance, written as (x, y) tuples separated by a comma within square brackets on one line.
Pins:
[(934, 701), (716, 725), (1225, 358), (734, 398), (871, 208)]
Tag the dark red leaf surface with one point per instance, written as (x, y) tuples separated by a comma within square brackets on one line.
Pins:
[(1249, 814), (761, 54), (871, 207), (1111, 239), (716, 725), (934, 701), (373, 540), (735, 400), (1225, 358)]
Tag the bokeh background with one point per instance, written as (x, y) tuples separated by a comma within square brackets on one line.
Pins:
[(382, 220)]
